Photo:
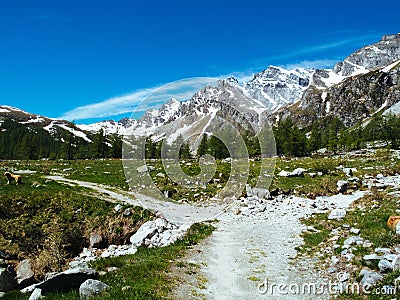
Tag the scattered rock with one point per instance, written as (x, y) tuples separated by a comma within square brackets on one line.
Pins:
[(384, 266), (382, 250), (299, 172), (370, 278), (396, 263), (354, 239), (337, 214), (91, 287), (95, 240), (118, 207), (161, 223), (371, 257), (25, 274), (284, 173), (354, 230), (147, 230), (390, 257)]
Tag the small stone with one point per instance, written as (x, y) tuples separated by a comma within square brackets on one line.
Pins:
[(95, 240), (25, 273), (396, 263), (353, 240), (299, 172), (337, 214), (370, 278), (354, 230), (390, 257), (91, 287), (284, 173), (142, 169), (371, 257), (382, 250), (334, 260), (385, 266), (367, 244), (118, 207), (147, 230)]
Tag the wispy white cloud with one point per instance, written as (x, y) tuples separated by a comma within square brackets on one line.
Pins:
[(317, 48), (143, 99), (316, 64), (139, 100)]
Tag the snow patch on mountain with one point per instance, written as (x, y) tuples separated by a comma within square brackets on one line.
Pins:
[(109, 127), (391, 66), (275, 86), (75, 132)]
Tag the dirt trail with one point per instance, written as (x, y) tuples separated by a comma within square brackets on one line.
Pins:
[(244, 251), (178, 213)]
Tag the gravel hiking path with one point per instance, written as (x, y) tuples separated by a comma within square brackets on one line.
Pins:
[(177, 213), (244, 250)]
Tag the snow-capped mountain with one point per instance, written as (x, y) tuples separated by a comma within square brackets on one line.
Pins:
[(54, 127), (371, 57), (108, 126), (356, 98), (276, 87), (206, 110), (275, 91)]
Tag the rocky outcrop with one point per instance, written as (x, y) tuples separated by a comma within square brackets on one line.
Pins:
[(91, 287), (371, 57), (25, 274), (354, 99), (276, 87)]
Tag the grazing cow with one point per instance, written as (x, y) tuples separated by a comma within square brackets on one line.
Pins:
[(11, 177)]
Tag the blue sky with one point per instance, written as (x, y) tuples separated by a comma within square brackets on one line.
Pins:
[(57, 56)]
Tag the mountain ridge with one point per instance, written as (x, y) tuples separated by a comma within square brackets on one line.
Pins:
[(353, 89)]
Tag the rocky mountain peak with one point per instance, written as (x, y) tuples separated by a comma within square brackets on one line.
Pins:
[(275, 86), (370, 57)]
